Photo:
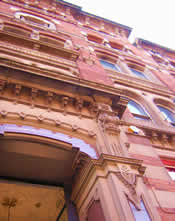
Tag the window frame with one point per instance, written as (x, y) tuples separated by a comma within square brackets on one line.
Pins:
[(167, 116), (169, 165), (144, 116), (115, 65)]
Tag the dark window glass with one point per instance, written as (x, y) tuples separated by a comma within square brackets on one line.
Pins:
[(138, 73), (110, 65), (137, 110), (168, 115)]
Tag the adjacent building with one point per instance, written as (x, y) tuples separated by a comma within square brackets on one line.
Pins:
[(87, 119)]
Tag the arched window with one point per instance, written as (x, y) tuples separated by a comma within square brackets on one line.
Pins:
[(109, 65), (137, 111), (167, 114)]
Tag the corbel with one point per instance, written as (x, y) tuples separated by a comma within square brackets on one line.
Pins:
[(35, 35), (164, 139), (50, 97), (64, 103), (154, 136), (79, 105), (102, 26), (34, 93), (40, 118), (116, 31), (3, 113), (87, 21), (17, 91), (22, 115), (68, 44)]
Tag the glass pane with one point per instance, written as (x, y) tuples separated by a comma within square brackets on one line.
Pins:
[(140, 215), (172, 174), (138, 73), (135, 108), (168, 115), (107, 64)]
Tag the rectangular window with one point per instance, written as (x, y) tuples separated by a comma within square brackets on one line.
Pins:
[(140, 215), (170, 166), (107, 64), (138, 73)]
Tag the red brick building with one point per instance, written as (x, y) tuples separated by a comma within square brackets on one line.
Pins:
[(86, 118)]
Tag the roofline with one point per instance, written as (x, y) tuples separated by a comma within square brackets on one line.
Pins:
[(140, 40), (129, 29)]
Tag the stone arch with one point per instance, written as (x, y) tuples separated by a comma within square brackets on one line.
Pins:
[(41, 133), (165, 103), (136, 97)]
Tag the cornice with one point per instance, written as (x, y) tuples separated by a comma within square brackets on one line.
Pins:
[(143, 85)]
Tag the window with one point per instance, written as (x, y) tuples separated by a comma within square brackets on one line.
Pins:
[(138, 73), (137, 111), (167, 114), (140, 215), (170, 166), (107, 64), (35, 20), (171, 172)]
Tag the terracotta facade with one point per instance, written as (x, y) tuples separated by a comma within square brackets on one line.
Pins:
[(86, 118)]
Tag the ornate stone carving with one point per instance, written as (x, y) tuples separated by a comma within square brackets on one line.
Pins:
[(129, 179), (34, 93), (79, 105), (68, 44), (17, 91), (91, 133), (58, 122), (50, 97), (164, 139), (75, 127), (22, 115), (3, 113), (64, 102), (35, 35), (154, 136), (109, 122), (40, 118)]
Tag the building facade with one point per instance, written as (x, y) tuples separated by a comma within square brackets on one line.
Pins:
[(87, 119)]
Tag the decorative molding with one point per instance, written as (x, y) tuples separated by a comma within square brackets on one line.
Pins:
[(129, 179)]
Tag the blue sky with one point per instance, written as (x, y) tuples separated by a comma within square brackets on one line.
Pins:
[(151, 20)]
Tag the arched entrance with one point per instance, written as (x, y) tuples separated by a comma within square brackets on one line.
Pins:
[(36, 177)]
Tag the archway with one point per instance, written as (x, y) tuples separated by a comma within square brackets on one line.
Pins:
[(36, 168)]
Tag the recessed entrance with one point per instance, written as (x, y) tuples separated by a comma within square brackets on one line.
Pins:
[(33, 173)]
